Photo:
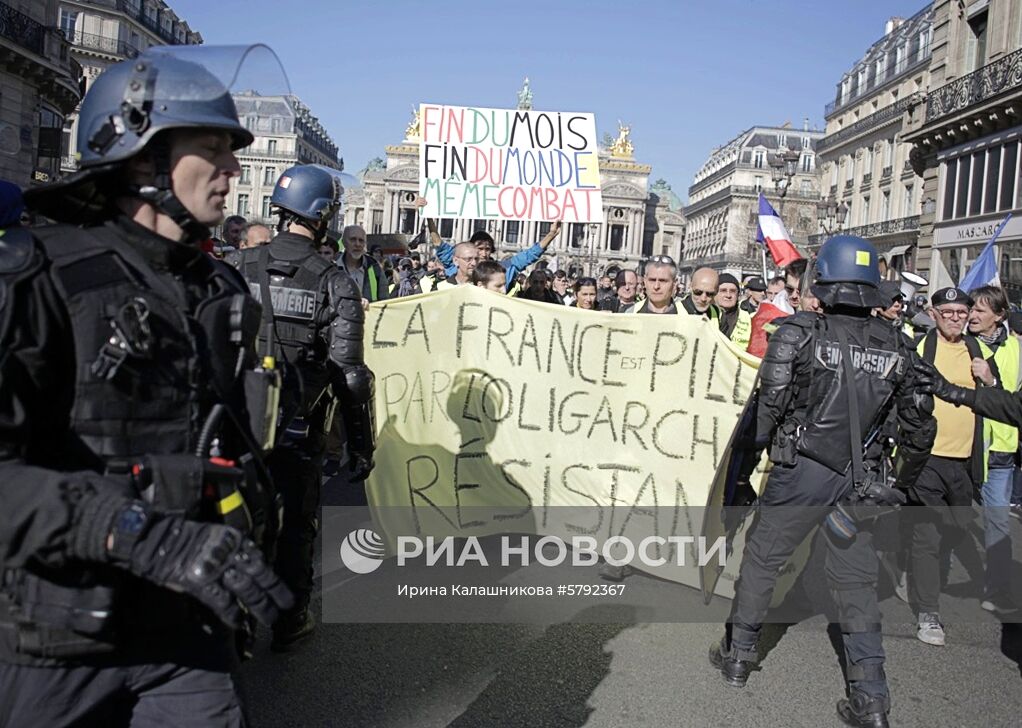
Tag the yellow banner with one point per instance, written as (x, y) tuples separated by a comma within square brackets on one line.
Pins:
[(513, 408)]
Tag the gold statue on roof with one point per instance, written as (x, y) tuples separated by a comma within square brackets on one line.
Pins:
[(413, 131), (622, 146)]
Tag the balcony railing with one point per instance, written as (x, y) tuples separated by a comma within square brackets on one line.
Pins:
[(898, 225), (877, 118), (23, 30), (874, 82), (989, 81), (151, 22), (101, 43)]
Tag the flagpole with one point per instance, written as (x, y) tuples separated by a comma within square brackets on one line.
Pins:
[(765, 278)]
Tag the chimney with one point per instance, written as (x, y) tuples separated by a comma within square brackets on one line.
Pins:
[(892, 24), (805, 123)]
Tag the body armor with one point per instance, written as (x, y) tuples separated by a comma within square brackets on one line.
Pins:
[(156, 352)]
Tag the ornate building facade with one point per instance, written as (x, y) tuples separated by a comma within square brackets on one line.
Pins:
[(286, 133), (639, 220), (104, 32), (721, 215), (967, 137), (40, 84), (863, 159)]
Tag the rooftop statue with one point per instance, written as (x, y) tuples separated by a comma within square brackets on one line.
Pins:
[(622, 146), (525, 96)]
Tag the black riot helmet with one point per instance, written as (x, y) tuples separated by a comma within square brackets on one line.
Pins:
[(847, 273), (127, 111)]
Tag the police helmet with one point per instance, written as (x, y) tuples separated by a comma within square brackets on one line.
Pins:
[(309, 192), (847, 259), (133, 101)]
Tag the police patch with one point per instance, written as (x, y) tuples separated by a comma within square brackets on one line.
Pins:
[(295, 303), (872, 361)]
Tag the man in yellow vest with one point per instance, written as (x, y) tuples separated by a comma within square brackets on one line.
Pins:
[(987, 323), (363, 269), (466, 256), (957, 459), (735, 322)]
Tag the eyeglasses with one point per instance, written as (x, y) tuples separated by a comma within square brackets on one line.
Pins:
[(661, 259), (698, 293), (949, 313)]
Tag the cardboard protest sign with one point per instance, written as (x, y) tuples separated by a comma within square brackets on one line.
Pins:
[(509, 164), (485, 401)]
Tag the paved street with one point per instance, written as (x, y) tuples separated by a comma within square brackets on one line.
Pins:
[(624, 674)]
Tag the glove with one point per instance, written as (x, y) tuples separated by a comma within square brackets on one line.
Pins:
[(361, 464), (213, 563), (930, 381)]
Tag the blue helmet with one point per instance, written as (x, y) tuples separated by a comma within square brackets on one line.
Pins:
[(308, 191), (848, 259), (133, 101)]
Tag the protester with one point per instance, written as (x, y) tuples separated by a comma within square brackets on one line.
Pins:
[(328, 250), (489, 274), (625, 286), (956, 464), (699, 301), (234, 227), (408, 279), (987, 321), (365, 270), (559, 286), (660, 276), (466, 257), (585, 294), (255, 234), (606, 290), (735, 322), (755, 291), (537, 288)]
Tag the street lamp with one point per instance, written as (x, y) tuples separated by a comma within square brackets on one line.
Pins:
[(783, 167), (831, 214)]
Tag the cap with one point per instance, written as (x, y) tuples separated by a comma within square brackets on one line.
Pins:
[(951, 295), (728, 278), (890, 291), (755, 284)]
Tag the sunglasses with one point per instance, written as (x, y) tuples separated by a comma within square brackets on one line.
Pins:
[(697, 292), (662, 259)]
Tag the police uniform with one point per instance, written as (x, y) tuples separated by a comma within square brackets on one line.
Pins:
[(317, 337), (131, 474), (806, 396)]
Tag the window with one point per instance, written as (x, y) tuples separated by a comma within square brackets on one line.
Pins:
[(543, 229), (885, 206), (250, 123), (924, 45), (908, 208), (833, 174), (758, 158), (447, 228), (889, 153), (408, 221), (846, 88), (976, 41), (511, 231), (806, 186), (266, 206), (377, 222), (993, 175), (899, 59), (246, 175), (578, 234), (782, 140), (806, 143), (864, 220), (880, 67), (68, 20), (271, 146), (976, 191), (950, 179), (1009, 176), (617, 236), (758, 183), (962, 194), (270, 176), (243, 205), (808, 162)]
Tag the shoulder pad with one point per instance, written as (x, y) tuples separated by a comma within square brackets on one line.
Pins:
[(17, 250), (233, 258), (797, 329), (228, 270), (340, 286)]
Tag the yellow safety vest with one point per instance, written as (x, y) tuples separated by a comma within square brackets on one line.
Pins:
[(1002, 437), (743, 329)]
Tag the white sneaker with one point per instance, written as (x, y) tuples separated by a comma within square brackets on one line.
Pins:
[(930, 631), (901, 591)]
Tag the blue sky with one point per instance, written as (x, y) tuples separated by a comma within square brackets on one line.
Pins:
[(686, 75)]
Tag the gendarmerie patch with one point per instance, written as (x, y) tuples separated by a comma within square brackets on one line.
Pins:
[(295, 303), (873, 361)]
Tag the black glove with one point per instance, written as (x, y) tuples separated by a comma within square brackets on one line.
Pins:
[(361, 464), (215, 564), (930, 381)]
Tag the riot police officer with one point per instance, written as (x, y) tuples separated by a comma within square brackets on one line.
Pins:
[(316, 332), (825, 383), (130, 474)]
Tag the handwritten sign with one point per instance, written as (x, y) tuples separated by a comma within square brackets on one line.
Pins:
[(509, 164), (503, 415)]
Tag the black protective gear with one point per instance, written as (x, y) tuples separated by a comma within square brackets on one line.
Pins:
[(854, 295), (847, 259), (735, 668), (212, 563), (864, 711), (357, 396), (933, 382)]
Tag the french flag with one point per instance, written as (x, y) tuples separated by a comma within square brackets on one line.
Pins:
[(772, 232)]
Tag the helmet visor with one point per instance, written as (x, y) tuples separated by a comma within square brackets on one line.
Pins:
[(233, 69)]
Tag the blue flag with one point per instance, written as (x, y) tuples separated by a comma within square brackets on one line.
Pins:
[(985, 271)]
